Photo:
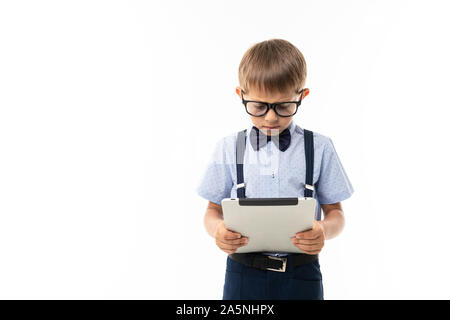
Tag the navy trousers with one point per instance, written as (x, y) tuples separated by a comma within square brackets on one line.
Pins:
[(247, 283)]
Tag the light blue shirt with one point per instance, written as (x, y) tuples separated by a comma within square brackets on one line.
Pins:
[(271, 173)]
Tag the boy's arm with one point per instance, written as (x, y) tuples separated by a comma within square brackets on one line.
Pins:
[(213, 216), (333, 222), (228, 241)]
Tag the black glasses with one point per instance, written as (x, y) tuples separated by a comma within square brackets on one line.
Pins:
[(282, 109)]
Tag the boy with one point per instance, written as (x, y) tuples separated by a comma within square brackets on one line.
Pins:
[(274, 166)]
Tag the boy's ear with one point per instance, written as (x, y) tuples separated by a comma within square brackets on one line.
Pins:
[(305, 92), (238, 91)]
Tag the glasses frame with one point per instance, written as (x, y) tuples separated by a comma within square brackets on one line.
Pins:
[(273, 105)]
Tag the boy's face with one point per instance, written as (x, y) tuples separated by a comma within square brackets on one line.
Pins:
[(271, 123)]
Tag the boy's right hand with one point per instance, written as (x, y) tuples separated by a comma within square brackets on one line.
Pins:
[(227, 240)]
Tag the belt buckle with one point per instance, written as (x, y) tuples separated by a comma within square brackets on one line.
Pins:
[(283, 267)]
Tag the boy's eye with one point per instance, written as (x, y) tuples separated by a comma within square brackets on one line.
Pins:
[(257, 106)]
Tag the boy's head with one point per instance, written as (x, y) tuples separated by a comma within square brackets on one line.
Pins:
[(272, 71)]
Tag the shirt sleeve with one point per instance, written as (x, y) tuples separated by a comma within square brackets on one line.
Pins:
[(333, 185), (216, 182)]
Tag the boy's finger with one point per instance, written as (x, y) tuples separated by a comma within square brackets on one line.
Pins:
[(229, 235), (307, 241), (236, 241), (227, 246), (307, 244), (308, 247), (307, 235)]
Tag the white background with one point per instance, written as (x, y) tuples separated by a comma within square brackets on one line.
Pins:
[(109, 112)]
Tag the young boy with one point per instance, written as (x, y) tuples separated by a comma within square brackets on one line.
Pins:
[(274, 166)]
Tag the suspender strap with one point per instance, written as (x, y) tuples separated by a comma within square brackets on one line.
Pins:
[(309, 155), (240, 149)]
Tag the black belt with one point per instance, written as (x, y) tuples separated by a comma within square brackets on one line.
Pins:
[(266, 262)]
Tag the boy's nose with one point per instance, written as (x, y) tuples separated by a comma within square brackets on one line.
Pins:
[(271, 115)]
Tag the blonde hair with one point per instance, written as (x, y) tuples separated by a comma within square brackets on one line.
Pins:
[(273, 65)]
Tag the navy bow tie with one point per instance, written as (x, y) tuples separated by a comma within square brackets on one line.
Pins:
[(259, 139)]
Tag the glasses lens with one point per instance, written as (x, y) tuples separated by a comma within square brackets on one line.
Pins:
[(286, 109), (256, 109)]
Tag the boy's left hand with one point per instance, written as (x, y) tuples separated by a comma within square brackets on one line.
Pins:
[(311, 241)]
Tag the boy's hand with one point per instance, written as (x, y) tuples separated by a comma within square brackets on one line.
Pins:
[(227, 240), (311, 241)]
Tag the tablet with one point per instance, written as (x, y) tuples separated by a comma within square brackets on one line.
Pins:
[(269, 223)]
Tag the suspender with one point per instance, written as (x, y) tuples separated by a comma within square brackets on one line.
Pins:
[(240, 150), (309, 156)]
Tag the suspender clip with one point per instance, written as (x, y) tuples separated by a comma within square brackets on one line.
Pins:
[(240, 185), (310, 187)]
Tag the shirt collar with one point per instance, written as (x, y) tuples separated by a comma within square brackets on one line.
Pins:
[(291, 128)]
